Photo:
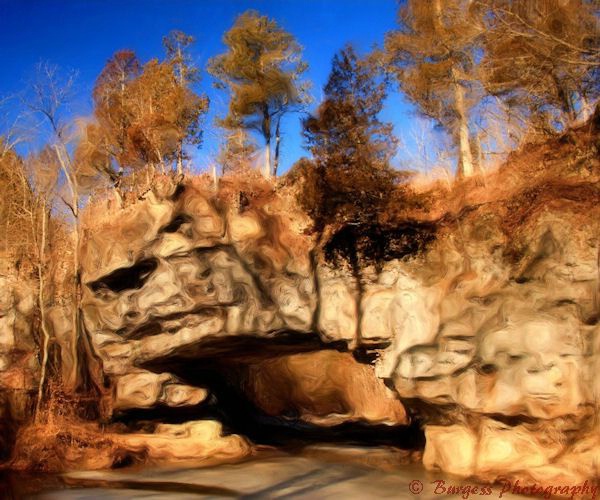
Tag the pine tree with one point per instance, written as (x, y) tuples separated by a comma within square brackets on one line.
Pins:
[(351, 147)]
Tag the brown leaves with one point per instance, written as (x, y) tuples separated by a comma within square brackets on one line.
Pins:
[(146, 113), (542, 56), (261, 69), (351, 176)]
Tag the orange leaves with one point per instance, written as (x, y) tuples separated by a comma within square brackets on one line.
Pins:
[(144, 113)]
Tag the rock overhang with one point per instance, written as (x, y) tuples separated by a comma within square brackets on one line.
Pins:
[(470, 319)]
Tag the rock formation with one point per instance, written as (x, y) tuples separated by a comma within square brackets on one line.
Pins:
[(197, 282), (487, 333), (19, 367)]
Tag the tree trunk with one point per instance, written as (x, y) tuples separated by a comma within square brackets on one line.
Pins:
[(180, 158), (266, 130), (566, 102), (465, 158), (182, 84), (477, 153), (73, 379), (118, 196), (360, 290), (267, 166), (67, 168), (586, 109), (277, 146), (42, 306), (118, 180), (161, 162)]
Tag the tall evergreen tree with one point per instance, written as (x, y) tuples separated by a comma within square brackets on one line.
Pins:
[(350, 181), (351, 147)]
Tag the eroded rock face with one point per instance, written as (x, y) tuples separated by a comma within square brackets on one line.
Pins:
[(18, 363), (193, 442), (515, 338), (479, 328), (56, 447), (174, 274), (515, 342), (495, 447), (19, 366), (323, 387)]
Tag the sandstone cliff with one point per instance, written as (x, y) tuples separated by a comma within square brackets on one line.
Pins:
[(475, 320)]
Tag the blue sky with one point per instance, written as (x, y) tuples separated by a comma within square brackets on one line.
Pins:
[(83, 34)]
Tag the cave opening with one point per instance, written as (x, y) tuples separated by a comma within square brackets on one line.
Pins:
[(267, 391)]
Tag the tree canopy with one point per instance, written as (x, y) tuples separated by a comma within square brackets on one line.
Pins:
[(144, 114), (434, 58), (351, 147), (261, 69), (542, 57)]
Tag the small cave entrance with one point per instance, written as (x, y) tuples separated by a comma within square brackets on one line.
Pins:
[(287, 393)]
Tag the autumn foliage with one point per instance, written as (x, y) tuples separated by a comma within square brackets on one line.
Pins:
[(531, 65)]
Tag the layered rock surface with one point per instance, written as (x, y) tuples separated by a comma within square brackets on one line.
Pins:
[(198, 281), (18, 363), (181, 277), (19, 367), (488, 333)]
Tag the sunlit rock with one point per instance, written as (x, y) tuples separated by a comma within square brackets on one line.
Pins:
[(324, 387), (413, 321), (193, 275), (490, 451), (19, 364), (19, 367), (60, 326), (451, 449), (477, 326), (146, 389), (338, 305), (191, 442), (535, 360), (502, 448)]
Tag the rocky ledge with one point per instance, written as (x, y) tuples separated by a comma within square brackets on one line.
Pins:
[(219, 321), (482, 330)]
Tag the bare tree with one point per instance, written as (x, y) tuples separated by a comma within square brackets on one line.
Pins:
[(13, 133), (43, 169), (50, 95), (543, 58), (237, 152), (177, 46), (26, 189), (15, 208)]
